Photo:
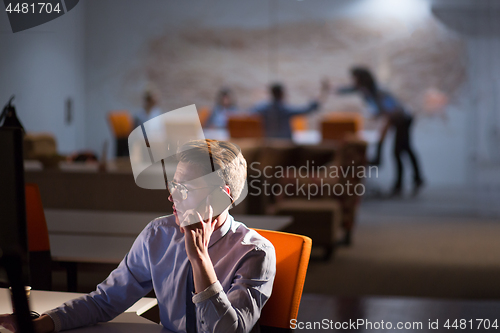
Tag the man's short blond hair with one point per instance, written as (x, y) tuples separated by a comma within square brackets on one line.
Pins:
[(225, 157)]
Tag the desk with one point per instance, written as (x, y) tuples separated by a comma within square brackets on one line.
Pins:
[(41, 301), (79, 236), (124, 323), (305, 137)]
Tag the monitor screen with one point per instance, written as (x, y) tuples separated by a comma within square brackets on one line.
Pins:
[(13, 236)]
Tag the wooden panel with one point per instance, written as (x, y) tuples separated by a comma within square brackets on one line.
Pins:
[(245, 127), (97, 191)]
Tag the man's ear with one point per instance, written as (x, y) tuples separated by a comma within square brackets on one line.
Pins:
[(227, 189)]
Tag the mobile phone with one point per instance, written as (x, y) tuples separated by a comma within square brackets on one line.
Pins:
[(219, 199)]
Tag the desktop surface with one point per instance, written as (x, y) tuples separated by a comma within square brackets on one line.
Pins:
[(129, 321)]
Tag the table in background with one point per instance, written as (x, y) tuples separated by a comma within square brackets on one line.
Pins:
[(130, 321), (304, 137)]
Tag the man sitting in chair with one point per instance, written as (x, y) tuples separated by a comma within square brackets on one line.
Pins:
[(209, 272)]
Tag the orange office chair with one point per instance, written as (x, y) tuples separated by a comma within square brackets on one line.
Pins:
[(298, 123), (204, 113), (122, 124), (341, 125), (245, 127), (292, 258), (40, 261)]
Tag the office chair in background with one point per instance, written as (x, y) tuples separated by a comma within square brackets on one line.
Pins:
[(122, 123), (40, 261)]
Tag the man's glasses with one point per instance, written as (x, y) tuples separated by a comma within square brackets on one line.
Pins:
[(183, 190)]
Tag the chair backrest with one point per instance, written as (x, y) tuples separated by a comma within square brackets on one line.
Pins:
[(121, 123), (245, 127), (38, 234), (39, 144), (40, 261), (341, 125), (292, 259), (298, 123), (204, 113)]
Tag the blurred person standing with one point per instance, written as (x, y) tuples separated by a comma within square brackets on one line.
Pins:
[(276, 113), (150, 108), (225, 105), (383, 104)]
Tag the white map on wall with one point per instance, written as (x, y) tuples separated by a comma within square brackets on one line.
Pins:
[(424, 67)]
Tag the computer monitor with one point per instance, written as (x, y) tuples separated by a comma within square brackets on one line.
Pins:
[(13, 235)]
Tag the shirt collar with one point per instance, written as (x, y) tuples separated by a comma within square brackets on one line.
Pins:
[(222, 231)]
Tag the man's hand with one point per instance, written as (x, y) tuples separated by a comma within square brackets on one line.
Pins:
[(8, 321), (44, 324), (197, 235), (196, 239)]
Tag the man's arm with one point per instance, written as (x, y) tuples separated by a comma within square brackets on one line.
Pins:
[(313, 105), (346, 90), (259, 108), (44, 324), (239, 309), (298, 110), (130, 281)]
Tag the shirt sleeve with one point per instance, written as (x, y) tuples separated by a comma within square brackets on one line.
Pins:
[(391, 103), (296, 110), (346, 90), (239, 309), (128, 283), (259, 108)]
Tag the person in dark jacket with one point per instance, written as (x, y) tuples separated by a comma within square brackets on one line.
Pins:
[(383, 104), (276, 113)]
